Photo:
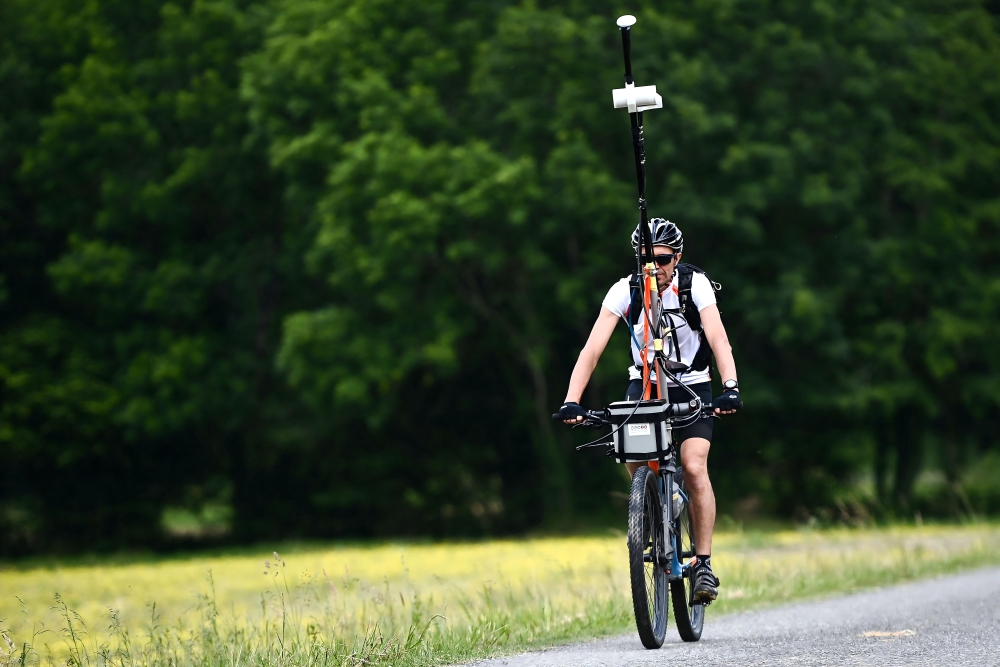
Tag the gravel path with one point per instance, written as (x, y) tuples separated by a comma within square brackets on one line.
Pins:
[(953, 620)]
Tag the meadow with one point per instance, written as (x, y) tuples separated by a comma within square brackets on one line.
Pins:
[(419, 604)]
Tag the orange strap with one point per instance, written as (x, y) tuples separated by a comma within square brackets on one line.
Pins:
[(646, 298), (647, 368)]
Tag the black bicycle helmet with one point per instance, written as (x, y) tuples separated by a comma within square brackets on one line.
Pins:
[(664, 233)]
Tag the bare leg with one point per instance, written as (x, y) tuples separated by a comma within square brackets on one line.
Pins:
[(694, 459)]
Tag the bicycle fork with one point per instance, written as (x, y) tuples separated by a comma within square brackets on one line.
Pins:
[(669, 549), (672, 549)]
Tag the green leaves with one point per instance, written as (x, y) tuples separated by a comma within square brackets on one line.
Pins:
[(295, 241)]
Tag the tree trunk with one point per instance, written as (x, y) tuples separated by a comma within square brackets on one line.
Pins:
[(909, 457), (883, 447), (556, 491)]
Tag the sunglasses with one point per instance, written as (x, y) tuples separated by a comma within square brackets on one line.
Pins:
[(662, 260)]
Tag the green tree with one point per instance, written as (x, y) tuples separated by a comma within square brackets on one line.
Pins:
[(783, 141), (148, 368), (333, 261)]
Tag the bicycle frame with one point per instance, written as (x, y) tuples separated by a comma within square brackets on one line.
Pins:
[(668, 488), (677, 570)]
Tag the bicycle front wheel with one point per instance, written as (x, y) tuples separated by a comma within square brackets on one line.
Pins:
[(690, 617), (646, 558)]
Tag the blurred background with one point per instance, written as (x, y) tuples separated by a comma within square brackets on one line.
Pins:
[(321, 269)]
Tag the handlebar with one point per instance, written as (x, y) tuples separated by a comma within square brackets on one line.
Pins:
[(600, 417), (685, 409), (591, 414), (594, 419)]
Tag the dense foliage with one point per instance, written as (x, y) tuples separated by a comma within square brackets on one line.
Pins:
[(330, 263)]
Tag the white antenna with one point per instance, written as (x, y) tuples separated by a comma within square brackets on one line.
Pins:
[(634, 99)]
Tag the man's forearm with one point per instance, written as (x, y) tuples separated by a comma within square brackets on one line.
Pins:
[(585, 365), (723, 352), (591, 352)]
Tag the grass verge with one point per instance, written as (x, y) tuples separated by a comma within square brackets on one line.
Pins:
[(416, 605)]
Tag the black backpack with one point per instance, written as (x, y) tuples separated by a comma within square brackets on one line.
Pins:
[(685, 274)]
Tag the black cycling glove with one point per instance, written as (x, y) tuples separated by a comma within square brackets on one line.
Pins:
[(730, 400), (571, 410)]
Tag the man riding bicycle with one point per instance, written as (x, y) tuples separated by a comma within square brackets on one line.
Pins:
[(695, 289)]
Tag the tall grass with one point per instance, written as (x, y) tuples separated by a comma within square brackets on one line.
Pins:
[(302, 625), (350, 621)]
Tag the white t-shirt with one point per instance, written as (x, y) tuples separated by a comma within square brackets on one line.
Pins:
[(618, 301)]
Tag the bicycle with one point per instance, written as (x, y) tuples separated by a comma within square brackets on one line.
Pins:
[(660, 531)]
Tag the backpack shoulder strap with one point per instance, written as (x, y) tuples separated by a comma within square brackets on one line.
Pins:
[(635, 306), (702, 358), (685, 276)]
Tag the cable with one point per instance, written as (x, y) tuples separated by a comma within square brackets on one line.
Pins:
[(637, 403), (641, 349), (685, 421)]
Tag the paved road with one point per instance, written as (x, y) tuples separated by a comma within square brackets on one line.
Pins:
[(953, 620)]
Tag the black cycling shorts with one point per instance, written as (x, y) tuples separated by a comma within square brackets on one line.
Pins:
[(701, 428)]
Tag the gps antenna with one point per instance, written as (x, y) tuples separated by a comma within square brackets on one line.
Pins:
[(638, 100)]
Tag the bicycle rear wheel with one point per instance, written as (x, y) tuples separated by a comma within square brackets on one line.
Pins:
[(645, 546), (690, 618)]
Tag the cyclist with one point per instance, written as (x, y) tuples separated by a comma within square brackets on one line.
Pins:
[(668, 245)]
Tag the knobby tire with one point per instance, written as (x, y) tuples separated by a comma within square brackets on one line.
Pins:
[(690, 618), (645, 540)]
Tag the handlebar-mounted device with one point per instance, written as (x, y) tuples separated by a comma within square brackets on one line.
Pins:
[(643, 428)]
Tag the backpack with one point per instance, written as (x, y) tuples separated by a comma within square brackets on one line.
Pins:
[(685, 274)]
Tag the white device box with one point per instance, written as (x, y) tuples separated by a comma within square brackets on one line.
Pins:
[(636, 440)]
